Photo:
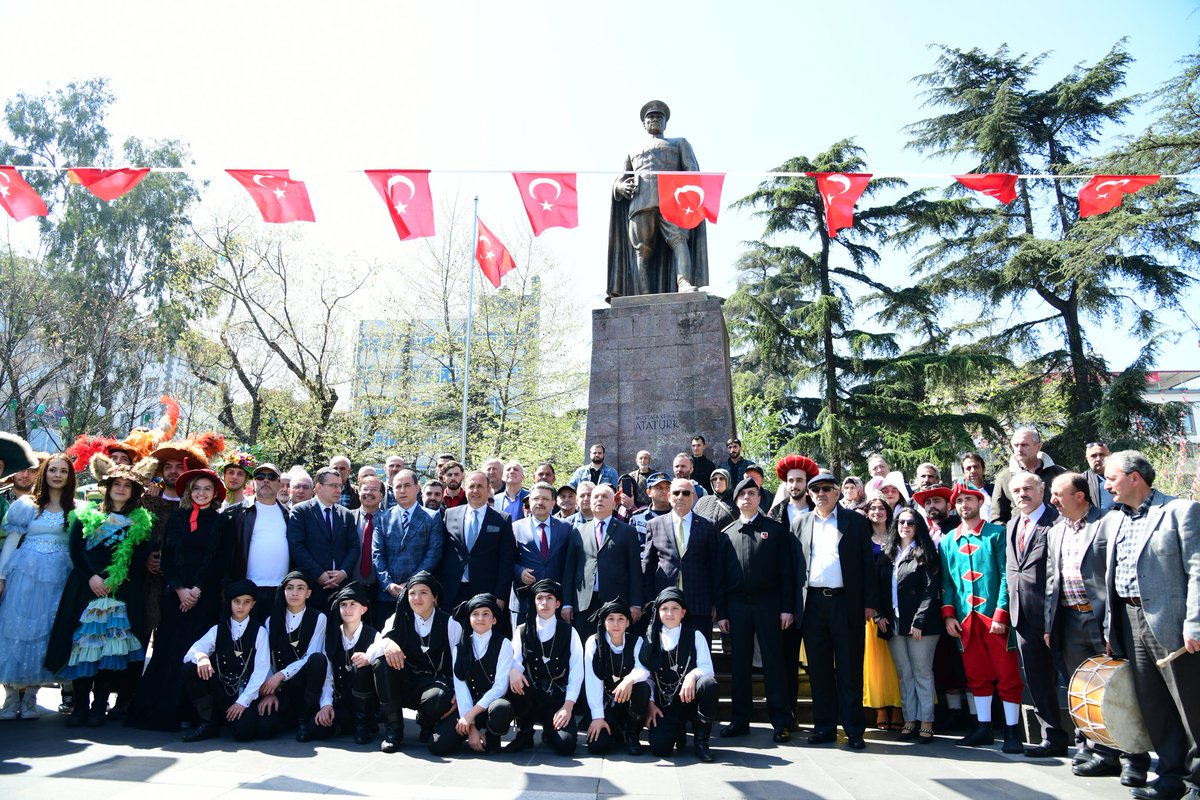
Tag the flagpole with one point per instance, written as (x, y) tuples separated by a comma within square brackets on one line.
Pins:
[(470, 317)]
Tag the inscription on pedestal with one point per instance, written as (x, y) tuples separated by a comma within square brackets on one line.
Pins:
[(657, 422)]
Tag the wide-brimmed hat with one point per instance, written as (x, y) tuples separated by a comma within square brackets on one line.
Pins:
[(941, 490), (195, 453), (106, 471), (16, 454), (218, 487)]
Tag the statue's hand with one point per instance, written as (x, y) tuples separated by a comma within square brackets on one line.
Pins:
[(627, 187)]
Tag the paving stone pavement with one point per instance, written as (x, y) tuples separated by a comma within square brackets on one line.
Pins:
[(45, 759)]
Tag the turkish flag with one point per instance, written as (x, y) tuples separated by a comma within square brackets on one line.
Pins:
[(550, 199), (19, 198), (278, 197), (108, 184), (688, 198), (1000, 186), (1104, 192), (840, 191), (408, 199), (493, 257)]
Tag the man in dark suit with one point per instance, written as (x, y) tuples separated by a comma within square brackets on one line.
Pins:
[(1153, 589), (1075, 604), (323, 538), (1026, 574), (760, 597), (683, 551), (478, 550), (605, 565), (836, 592), (543, 543)]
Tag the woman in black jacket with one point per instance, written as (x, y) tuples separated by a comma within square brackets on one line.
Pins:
[(910, 585)]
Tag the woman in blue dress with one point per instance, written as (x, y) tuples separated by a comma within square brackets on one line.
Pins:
[(33, 568), (94, 636)]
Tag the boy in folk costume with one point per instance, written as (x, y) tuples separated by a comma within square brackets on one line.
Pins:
[(232, 661), (682, 677), (615, 682), (348, 698), (547, 673), (975, 610), (296, 635), (482, 662), (414, 661)]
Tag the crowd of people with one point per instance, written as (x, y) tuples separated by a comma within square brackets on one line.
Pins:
[(199, 591)]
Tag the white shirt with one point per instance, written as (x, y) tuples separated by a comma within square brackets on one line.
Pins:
[(687, 528), (268, 559), (315, 645), (422, 626), (348, 642), (607, 521), (479, 645), (535, 525), (545, 632), (207, 645), (794, 511), (825, 570), (594, 684), (669, 640)]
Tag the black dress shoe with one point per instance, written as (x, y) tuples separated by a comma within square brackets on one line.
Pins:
[(734, 729), (782, 735), (1132, 776), (205, 730), (1047, 750), (1097, 767), (982, 736), (77, 718), (857, 743), (522, 741), (303, 731), (1161, 789), (822, 738)]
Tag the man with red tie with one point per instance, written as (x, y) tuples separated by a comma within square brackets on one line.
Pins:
[(543, 543)]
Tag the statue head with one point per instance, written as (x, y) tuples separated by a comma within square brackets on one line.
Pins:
[(658, 112)]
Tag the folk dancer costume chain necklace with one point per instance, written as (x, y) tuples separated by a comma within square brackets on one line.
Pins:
[(425, 640), (614, 667), (294, 643), (234, 684), (670, 688)]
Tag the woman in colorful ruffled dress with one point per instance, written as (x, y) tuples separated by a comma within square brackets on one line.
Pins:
[(94, 635), (33, 568)]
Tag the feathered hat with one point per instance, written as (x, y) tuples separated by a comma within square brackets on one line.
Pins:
[(143, 441), (195, 453), (105, 471)]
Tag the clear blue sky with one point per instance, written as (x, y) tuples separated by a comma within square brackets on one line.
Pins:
[(328, 89)]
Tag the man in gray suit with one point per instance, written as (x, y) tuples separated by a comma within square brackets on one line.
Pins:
[(1075, 603), (1027, 530), (607, 564), (1153, 587)]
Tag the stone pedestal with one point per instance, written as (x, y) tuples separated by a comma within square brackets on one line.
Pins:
[(660, 375)]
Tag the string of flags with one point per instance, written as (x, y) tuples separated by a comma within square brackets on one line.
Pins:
[(551, 199)]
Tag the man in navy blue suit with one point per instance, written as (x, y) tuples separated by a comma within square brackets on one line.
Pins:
[(478, 550), (542, 544), (323, 538)]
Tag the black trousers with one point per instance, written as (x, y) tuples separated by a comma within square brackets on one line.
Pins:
[(299, 697), (1169, 697), (539, 707), (751, 618), (790, 643), (1041, 684), (624, 720), (211, 702), (399, 689), (835, 646), (352, 705), (700, 712), (494, 722)]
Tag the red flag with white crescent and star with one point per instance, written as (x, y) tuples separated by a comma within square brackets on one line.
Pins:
[(18, 198), (840, 191), (494, 259), (1104, 192), (1000, 186), (108, 184), (278, 197), (408, 198), (688, 198), (550, 199)]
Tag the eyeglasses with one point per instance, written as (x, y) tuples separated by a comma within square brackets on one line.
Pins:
[(822, 489), (265, 476), (908, 523), (1090, 445), (681, 493)]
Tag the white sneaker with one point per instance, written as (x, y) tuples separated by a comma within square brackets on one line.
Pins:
[(12, 700), (29, 706)]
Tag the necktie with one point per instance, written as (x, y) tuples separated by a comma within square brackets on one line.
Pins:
[(404, 521), (473, 530), (364, 566), (1023, 538), (599, 533), (682, 549), (545, 541), (329, 521)]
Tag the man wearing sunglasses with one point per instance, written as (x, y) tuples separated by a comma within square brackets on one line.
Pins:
[(260, 551), (682, 551), (836, 593)]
